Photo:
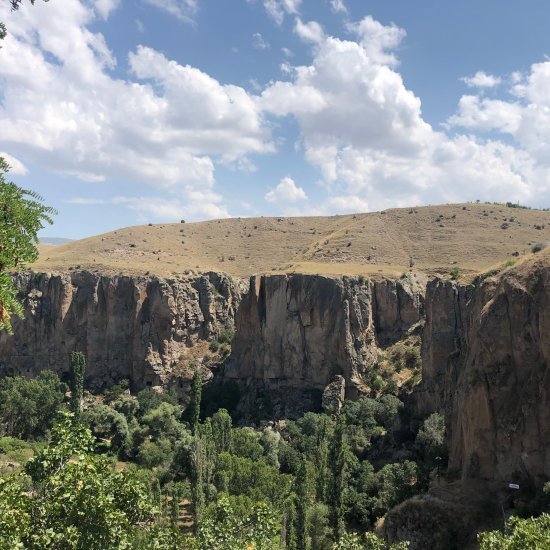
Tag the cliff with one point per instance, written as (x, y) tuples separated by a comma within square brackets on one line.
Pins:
[(295, 333), (486, 353), (142, 329)]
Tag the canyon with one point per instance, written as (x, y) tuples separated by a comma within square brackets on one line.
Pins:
[(485, 345)]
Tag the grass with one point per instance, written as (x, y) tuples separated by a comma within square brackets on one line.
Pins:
[(432, 238)]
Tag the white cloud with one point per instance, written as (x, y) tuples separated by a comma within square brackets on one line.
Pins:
[(338, 6), (364, 130), (287, 52), (105, 7), (258, 42), (310, 31), (85, 201), (16, 166), (482, 80), (525, 117), (203, 206), (378, 40), (286, 193), (277, 9), (184, 10), (166, 126)]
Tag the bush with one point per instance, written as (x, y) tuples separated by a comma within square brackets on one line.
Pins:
[(519, 534), (537, 247), (28, 407), (454, 273), (226, 336)]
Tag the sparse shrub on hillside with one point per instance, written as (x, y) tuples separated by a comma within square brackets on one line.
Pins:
[(454, 273), (537, 247), (510, 262), (226, 336)]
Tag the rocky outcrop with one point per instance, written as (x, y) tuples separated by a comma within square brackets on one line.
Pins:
[(486, 358), (142, 329), (295, 333)]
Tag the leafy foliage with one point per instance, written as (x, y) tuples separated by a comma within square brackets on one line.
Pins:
[(77, 500), (22, 215), (518, 534), (27, 407)]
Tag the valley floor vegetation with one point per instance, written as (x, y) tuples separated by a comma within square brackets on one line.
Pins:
[(117, 470)]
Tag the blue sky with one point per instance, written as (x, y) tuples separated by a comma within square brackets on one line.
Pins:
[(124, 112)]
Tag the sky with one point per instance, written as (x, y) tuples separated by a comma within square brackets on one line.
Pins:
[(124, 112)]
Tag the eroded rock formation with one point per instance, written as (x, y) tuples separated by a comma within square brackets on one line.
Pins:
[(295, 333), (486, 358), (128, 327)]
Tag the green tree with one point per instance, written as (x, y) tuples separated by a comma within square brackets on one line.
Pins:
[(28, 407), (223, 529), (78, 365), (519, 534), (338, 461), (221, 431), (75, 500), (302, 505), (22, 216), (195, 403)]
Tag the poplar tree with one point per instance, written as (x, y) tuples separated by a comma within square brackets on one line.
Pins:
[(78, 365), (195, 403), (338, 470), (302, 501)]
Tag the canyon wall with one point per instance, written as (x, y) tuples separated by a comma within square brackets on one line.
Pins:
[(142, 329), (295, 333), (486, 357)]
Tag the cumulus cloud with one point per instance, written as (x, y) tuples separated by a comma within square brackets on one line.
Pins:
[(184, 10), (525, 117), (364, 130), (309, 32), (105, 7), (167, 126), (482, 80), (286, 193), (16, 166)]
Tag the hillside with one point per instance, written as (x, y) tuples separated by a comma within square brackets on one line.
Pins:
[(472, 237)]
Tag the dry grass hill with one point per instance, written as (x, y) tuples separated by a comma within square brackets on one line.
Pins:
[(434, 239)]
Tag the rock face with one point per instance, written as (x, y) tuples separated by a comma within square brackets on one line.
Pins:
[(136, 328), (486, 358), (295, 333)]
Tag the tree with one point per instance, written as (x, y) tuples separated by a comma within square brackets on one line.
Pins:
[(302, 505), (195, 403), (27, 407), (22, 216), (533, 533), (75, 499), (338, 453), (78, 365)]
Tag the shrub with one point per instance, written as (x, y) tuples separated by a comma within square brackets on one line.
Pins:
[(226, 336), (537, 247), (454, 273)]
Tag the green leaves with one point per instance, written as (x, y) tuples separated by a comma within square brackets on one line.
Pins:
[(22, 216), (518, 534), (77, 500)]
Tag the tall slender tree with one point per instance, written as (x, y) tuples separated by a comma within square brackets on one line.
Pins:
[(197, 480), (302, 504), (338, 459), (195, 403), (78, 366)]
